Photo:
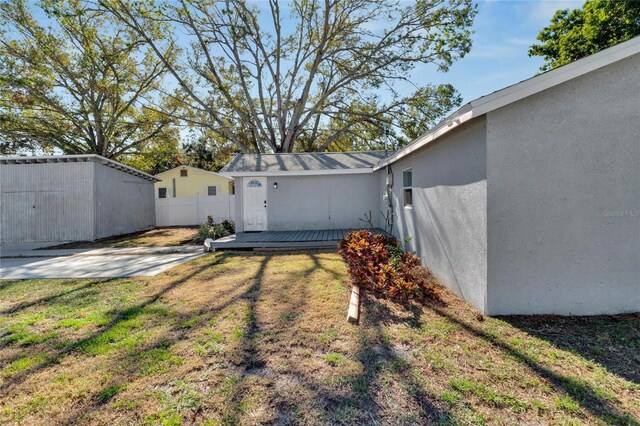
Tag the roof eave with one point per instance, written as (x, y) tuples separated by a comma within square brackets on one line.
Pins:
[(452, 122), (519, 91), (256, 173)]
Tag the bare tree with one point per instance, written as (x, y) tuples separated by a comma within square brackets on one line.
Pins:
[(269, 83)]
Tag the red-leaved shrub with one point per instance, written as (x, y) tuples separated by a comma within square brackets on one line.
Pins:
[(379, 265)]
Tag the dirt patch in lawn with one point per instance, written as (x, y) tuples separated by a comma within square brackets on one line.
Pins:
[(159, 237), (262, 338)]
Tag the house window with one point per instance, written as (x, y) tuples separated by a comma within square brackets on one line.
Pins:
[(407, 187), (212, 190), (184, 173), (162, 192), (254, 184)]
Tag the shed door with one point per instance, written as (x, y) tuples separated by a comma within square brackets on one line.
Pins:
[(254, 204), (32, 216)]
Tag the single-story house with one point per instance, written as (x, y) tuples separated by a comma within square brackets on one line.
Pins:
[(186, 181), (72, 198), (188, 196), (321, 190), (525, 201)]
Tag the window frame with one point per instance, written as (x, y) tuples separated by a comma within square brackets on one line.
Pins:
[(215, 190), (407, 190), (160, 190), (184, 173)]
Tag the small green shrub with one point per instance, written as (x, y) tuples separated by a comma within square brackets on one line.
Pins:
[(214, 230), (229, 226)]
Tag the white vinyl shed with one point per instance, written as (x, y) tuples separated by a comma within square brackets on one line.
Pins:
[(72, 198)]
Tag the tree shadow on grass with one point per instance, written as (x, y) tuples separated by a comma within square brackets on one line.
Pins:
[(362, 399), (120, 317), (5, 284), (611, 341), (134, 363), (247, 355), (379, 357), (54, 297), (576, 388)]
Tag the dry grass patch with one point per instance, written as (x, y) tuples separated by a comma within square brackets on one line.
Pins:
[(159, 237), (244, 338)]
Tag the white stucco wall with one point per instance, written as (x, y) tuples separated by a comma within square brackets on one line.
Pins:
[(564, 197), (322, 202), (317, 202), (447, 223), (238, 182)]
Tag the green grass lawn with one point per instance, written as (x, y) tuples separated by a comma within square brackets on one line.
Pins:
[(243, 338)]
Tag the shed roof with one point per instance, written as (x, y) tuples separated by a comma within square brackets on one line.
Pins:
[(307, 163), (76, 159)]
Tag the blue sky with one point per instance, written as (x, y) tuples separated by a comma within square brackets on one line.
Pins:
[(504, 30)]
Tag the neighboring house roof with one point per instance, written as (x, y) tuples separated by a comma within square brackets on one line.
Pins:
[(519, 91), (307, 163), (75, 159), (192, 168)]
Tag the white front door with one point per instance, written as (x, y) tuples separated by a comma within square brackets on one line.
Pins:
[(254, 203)]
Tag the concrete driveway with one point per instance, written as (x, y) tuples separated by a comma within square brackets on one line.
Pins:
[(98, 263)]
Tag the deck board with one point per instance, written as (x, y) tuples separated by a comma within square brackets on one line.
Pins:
[(310, 238)]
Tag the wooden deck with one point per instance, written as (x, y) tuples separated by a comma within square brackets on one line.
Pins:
[(285, 239)]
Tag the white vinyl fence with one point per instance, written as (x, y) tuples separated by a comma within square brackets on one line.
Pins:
[(194, 210)]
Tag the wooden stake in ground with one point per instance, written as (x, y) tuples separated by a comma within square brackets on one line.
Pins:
[(353, 314)]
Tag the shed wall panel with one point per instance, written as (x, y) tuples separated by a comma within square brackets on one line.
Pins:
[(47, 202), (123, 203)]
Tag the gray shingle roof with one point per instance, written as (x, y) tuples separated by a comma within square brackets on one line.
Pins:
[(303, 162)]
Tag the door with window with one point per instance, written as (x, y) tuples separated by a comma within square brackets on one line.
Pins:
[(254, 203)]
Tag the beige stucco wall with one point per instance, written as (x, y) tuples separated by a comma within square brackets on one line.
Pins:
[(195, 183)]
